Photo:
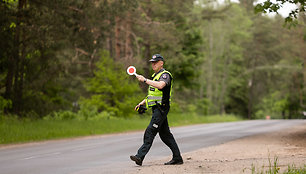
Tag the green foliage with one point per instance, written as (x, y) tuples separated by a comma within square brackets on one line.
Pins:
[(183, 65), (268, 6), (273, 105), (111, 89), (292, 169), (274, 168), (224, 59), (199, 107), (61, 115), (4, 104), (87, 111), (237, 100), (221, 82), (176, 107), (45, 101)]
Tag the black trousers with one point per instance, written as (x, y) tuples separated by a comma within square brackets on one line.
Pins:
[(159, 124)]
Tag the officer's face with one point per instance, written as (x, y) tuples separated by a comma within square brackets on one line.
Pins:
[(156, 66)]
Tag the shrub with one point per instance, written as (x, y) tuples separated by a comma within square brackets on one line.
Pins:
[(4, 103), (61, 115), (111, 89)]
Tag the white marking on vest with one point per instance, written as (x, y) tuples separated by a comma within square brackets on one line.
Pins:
[(155, 125)]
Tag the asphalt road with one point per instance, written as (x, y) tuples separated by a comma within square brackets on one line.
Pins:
[(110, 153)]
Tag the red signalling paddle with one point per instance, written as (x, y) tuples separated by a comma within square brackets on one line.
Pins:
[(131, 70)]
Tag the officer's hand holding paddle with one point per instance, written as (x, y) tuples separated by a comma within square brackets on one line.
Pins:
[(140, 78)]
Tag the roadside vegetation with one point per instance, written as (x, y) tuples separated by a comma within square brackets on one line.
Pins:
[(68, 124), (65, 55), (275, 168), (63, 64)]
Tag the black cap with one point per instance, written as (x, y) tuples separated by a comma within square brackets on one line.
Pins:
[(156, 57)]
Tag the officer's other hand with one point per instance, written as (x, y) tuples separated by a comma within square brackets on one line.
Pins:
[(140, 78), (136, 107)]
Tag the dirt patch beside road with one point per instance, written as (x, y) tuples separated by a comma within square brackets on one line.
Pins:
[(238, 156)]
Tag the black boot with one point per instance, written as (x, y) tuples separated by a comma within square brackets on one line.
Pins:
[(137, 160), (174, 162)]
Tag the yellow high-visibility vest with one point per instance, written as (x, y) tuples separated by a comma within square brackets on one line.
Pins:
[(154, 94)]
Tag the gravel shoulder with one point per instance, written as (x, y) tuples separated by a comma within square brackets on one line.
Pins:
[(289, 146)]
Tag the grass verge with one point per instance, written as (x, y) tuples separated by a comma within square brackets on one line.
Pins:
[(274, 168), (13, 130)]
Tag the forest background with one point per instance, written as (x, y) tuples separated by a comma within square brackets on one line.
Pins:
[(68, 59)]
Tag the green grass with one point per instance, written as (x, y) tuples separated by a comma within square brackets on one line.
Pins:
[(13, 130), (274, 168)]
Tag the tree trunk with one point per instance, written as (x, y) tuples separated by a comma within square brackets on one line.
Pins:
[(248, 4), (201, 81), (147, 74), (9, 78), (251, 88), (128, 54), (303, 90), (210, 67), (224, 85), (147, 56), (19, 61), (109, 39), (250, 96), (117, 39), (110, 45)]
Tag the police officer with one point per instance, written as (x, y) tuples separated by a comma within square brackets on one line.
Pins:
[(159, 96)]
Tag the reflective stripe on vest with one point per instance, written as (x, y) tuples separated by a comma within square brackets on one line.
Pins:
[(154, 94), (152, 103), (154, 98)]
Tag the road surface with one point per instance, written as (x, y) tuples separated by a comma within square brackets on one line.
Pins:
[(110, 153)]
